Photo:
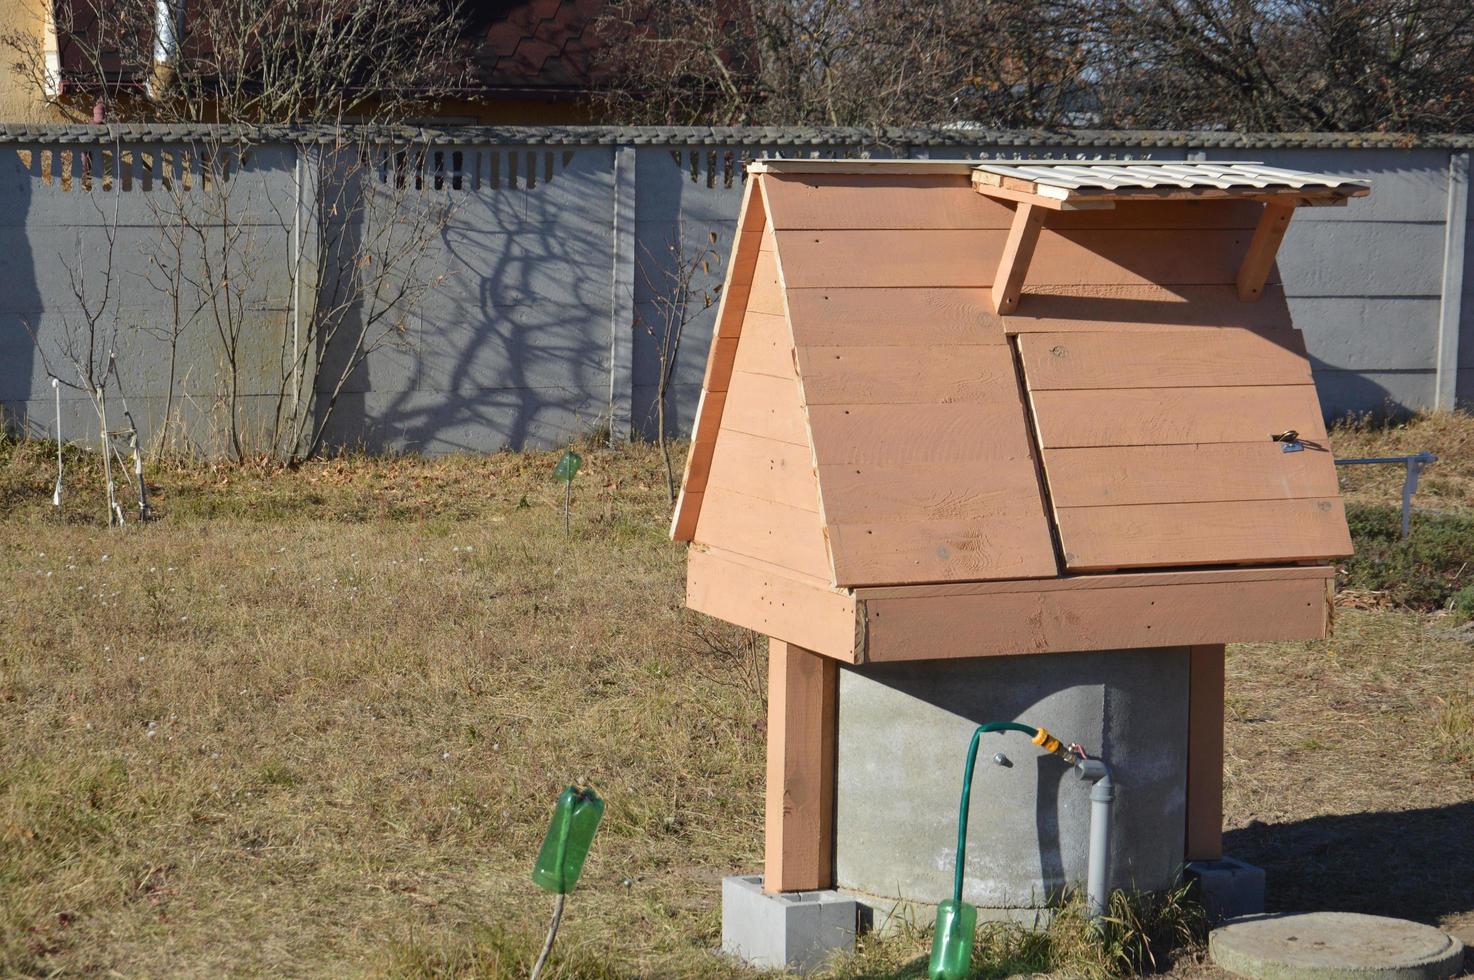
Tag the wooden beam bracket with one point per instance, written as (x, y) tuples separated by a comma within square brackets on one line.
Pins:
[(1263, 247), (1013, 265)]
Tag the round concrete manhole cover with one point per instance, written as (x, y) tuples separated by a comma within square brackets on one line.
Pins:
[(1334, 946)]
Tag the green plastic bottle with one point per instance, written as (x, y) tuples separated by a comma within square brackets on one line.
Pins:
[(951, 948), (560, 860), (567, 466)]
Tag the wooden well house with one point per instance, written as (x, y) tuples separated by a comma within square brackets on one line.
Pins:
[(971, 409)]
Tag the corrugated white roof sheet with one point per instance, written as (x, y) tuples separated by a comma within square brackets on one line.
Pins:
[(1088, 177)]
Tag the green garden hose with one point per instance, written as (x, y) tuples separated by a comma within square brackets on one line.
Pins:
[(972, 758), (951, 951)]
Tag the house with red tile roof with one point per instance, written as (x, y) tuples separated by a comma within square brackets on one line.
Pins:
[(533, 62)]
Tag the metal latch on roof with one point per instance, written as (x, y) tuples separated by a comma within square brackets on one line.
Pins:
[(1289, 441)]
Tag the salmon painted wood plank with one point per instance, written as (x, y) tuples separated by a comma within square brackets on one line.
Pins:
[(980, 490), (1095, 619), (900, 435), (1129, 308), (813, 201), (1216, 533), (1186, 215), (970, 258), (762, 405), (803, 703), (788, 537), (765, 346), (1013, 543), (1174, 416), (766, 293), (1190, 359), (1113, 580), (778, 471), (864, 317), (1205, 685), (1186, 474), (772, 601), (731, 309), (758, 238), (923, 374)]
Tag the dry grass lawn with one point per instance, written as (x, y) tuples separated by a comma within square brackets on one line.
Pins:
[(311, 724)]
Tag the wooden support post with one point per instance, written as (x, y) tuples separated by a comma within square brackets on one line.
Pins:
[(803, 695), (1205, 753), (1273, 224), (1023, 235)]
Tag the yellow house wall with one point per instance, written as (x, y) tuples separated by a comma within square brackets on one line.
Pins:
[(19, 99)]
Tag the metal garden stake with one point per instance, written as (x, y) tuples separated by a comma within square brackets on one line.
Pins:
[(565, 470), (559, 862)]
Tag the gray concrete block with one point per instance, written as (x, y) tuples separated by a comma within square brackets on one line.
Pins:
[(1228, 888), (789, 930), (903, 737)]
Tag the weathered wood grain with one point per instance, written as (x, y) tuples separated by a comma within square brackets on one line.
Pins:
[(1013, 543), (762, 405), (924, 374), (772, 601), (1220, 532), (948, 257), (993, 624), (798, 838), (765, 295), (1174, 416), (778, 471), (976, 490), (731, 309), (867, 317), (1186, 359), (765, 346), (1263, 246), (1018, 252), (1111, 580), (1204, 836), (788, 537), (881, 201), (1119, 308), (896, 435), (1188, 473)]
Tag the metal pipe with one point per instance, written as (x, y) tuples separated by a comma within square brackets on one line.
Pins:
[(1415, 466), (1102, 801)]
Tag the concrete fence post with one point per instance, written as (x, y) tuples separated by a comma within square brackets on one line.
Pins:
[(1450, 310), (622, 296)]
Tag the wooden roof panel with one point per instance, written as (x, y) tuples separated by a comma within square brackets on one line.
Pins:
[(1124, 177), (1152, 390), (926, 473)]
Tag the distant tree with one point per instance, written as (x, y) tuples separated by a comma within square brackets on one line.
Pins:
[(1288, 65), (841, 62), (1270, 65)]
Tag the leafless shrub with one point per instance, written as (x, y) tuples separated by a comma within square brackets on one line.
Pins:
[(682, 282), (246, 61), (363, 216), (1264, 65), (1267, 65)]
